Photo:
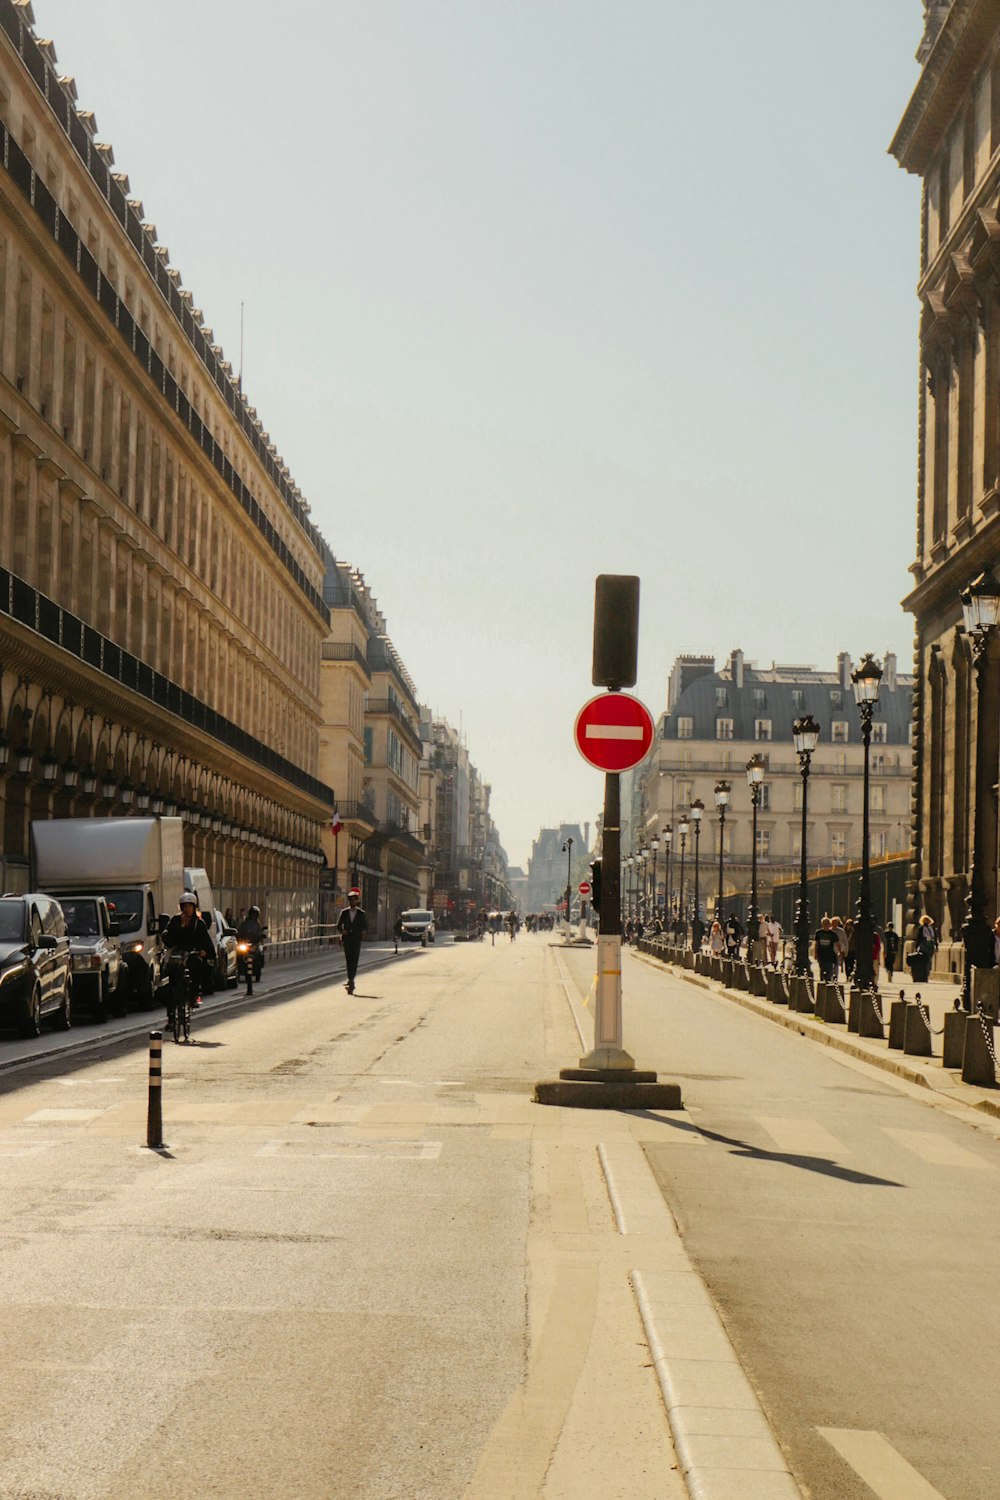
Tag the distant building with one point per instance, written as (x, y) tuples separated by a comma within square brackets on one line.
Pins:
[(467, 861), (715, 721), (549, 863)]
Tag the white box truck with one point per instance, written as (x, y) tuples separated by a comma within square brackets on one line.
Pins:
[(136, 864)]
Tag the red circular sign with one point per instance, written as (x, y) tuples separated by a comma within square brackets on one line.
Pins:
[(613, 731), (584, 887)]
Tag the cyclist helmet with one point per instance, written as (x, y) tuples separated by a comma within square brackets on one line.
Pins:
[(188, 898), (254, 911)]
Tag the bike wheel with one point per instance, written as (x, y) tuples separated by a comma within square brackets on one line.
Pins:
[(187, 1020), (176, 1018)]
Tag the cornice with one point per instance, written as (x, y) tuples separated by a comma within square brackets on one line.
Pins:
[(946, 582), (947, 74)]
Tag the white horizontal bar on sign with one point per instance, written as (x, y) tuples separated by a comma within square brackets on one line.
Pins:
[(614, 732)]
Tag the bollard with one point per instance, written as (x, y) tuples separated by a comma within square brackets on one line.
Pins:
[(726, 972), (799, 998), (916, 1033), (154, 1111), (853, 1010), (829, 1006), (758, 981), (954, 1039), (869, 1021), (741, 977), (776, 987), (897, 1019), (977, 1060)]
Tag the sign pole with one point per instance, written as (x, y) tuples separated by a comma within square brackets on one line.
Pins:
[(607, 1051)]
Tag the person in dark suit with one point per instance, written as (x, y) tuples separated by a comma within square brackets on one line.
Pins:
[(352, 924)]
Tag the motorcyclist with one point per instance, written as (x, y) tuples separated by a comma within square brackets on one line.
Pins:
[(188, 933), (252, 930)]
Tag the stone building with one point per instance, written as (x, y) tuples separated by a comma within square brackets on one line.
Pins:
[(550, 865), (161, 605), (949, 136), (716, 719), (467, 861)]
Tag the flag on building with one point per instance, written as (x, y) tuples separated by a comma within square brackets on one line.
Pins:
[(335, 824)]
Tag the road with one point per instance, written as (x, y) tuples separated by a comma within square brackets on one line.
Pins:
[(367, 1266)]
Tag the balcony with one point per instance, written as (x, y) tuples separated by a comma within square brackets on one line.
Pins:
[(357, 812), (346, 651), (380, 707)]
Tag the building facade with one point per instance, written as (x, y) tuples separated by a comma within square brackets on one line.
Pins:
[(467, 863), (715, 721), (949, 136), (551, 865), (161, 606)]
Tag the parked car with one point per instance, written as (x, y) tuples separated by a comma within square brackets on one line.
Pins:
[(100, 979), (225, 952), (418, 926), (35, 975)]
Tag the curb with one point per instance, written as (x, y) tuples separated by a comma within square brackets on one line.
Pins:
[(942, 1083)]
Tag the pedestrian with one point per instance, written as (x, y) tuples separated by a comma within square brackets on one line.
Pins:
[(697, 933), (352, 924), (825, 950), (890, 949), (734, 935), (772, 936), (716, 940), (397, 931)]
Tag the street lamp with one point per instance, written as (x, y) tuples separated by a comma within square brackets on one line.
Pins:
[(805, 737), (644, 905), (722, 790), (980, 610), (866, 679), (682, 829), (668, 838), (567, 849), (697, 926), (755, 778), (654, 844)]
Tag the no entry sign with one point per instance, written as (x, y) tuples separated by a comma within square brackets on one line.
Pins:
[(584, 887), (613, 731)]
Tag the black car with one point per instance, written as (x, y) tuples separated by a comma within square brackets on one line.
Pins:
[(35, 975)]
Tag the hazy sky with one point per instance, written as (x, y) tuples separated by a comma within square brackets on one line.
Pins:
[(539, 289)]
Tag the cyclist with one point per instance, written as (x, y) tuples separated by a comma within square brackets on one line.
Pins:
[(188, 933)]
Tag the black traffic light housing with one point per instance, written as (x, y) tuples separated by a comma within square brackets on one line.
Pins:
[(595, 885)]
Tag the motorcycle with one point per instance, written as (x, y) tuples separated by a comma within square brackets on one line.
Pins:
[(249, 962)]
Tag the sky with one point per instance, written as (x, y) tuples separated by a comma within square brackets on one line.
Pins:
[(536, 290)]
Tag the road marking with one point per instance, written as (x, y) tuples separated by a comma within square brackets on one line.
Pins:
[(358, 1150), (61, 1116), (613, 732), (802, 1137), (938, 1150), (881, 1467)]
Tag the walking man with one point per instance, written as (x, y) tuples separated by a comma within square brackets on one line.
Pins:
[(352, 924)]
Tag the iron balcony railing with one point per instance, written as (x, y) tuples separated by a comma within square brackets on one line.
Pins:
[(346, 651)]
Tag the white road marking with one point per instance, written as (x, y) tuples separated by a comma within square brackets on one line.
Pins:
[(938, 1150), (613, 732), (358, 1150), (73, 1083), (61, 1116), (881, 1467), (802, 1137)]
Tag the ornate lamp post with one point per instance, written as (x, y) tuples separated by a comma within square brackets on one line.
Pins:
[(755, 778), (644, 902), (627, 863), (722, 790), (654, 844), (682, 829), (866, 679), (567, 849), (668, 838), (697, 925), (805, 737), (981, 611)]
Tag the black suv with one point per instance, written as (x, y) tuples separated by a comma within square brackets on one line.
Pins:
[(35, 976)]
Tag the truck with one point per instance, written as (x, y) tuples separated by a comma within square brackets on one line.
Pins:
[(136, 864)]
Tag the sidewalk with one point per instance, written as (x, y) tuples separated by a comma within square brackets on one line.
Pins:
[(938, 996)]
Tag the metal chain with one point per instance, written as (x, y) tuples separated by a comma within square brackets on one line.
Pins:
[(875, 1005), (926, 1017), (987, 1032)]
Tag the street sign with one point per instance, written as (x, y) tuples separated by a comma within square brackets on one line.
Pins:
[(584, 887), (613, 731)]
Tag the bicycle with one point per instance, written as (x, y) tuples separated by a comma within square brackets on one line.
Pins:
[(179, 993)]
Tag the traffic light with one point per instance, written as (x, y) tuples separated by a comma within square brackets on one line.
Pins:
[(616, 631), (595, 886)]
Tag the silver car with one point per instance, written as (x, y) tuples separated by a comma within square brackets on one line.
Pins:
[(418, 926)]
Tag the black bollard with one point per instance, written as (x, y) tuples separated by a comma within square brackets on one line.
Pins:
[(154, 1112)]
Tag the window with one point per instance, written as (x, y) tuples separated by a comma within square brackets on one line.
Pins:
[(838, 796), (878, 762), (838, 845), (797, 798), (763, 843), (762, 729), (838, 731), (880, 844), (836, 698), (840, 763), (721, 698), (797, 843), (369, 733), (723, 729), (798, 698), (765, 796), (878, 799), (759, 698), (685, 728), (880, 733), (685, 791)]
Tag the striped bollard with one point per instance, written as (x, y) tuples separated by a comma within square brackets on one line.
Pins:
[(154, 1112)]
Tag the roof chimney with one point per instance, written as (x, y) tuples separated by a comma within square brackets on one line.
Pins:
[(844, 666), (736, 664), (889, 671)]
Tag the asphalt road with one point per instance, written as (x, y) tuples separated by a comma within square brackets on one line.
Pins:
[(847, 1227), (365, 1265)]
